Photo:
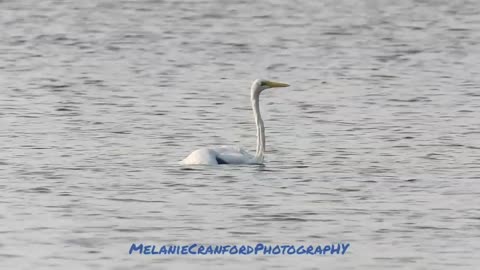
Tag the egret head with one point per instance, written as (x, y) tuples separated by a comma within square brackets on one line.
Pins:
[(259, 85)]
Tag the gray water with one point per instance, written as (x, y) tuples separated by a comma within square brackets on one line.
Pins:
[(376, 143)]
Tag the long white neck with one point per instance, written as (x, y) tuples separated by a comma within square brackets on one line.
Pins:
[(255, 96)]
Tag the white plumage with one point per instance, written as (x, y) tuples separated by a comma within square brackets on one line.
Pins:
[(233, 154), (219, 155)]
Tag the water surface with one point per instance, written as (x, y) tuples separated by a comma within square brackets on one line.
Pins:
[(376, 142)]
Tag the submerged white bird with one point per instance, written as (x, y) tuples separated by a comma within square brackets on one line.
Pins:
[(236, 155)]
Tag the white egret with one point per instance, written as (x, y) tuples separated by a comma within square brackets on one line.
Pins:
[(236, 155)]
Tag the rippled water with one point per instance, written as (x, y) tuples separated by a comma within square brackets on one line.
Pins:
[(376, 143)]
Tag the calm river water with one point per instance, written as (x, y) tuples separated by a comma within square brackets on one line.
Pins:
[(376, 143)]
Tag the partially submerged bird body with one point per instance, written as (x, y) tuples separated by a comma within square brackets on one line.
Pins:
[(220, 155), (232, 154)]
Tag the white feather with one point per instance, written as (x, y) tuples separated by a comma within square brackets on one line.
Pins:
[(232, 154)]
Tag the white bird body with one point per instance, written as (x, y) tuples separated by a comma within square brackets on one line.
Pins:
[(219, 155), (233, 154)]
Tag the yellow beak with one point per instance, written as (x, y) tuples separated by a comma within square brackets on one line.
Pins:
[(275, 84)]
